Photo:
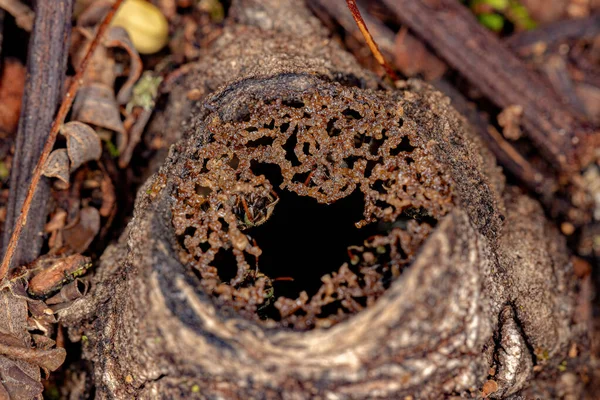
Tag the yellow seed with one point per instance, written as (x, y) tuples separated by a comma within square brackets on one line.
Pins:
[(146, 25)]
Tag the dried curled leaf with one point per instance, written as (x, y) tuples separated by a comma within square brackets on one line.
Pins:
[(118, 37), (62, 271), (71, 292), (101, 68), (16, 384), (96, 105), (57, 165), (83, 144), (47, 359), (79, 236), (43, 342)]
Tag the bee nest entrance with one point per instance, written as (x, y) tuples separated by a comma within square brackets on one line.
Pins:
[(303, 210)]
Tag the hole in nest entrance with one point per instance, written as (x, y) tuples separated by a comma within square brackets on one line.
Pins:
[(304, 240)]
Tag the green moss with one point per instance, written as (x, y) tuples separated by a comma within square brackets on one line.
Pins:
[(145, 92)]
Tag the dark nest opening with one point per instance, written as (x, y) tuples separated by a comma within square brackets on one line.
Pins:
[(304, 240), (304, 212)]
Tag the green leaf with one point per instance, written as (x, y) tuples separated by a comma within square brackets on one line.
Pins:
[(493, 22)]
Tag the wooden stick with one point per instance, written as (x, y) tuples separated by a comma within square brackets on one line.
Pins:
[(46, 70), (62, 112)]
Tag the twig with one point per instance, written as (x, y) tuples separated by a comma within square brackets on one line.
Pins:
[(62, 112), (369, 39), (382, 35)]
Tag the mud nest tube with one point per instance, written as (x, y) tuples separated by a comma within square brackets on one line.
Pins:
[(304, 209)]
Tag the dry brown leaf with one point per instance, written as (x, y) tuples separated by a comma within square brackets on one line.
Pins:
[(18, 384), (3, 393), (20, 379), (96, 105), (47, 359), (80, 236), (83, 144), (57, 165), (118, 37), (101, 69), (61, 271), (43, 342), (71, 292), (42, 317), (9, 339), (57, 221)]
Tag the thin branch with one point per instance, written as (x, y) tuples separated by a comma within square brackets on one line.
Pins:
[(369, 39), (60, 117)]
